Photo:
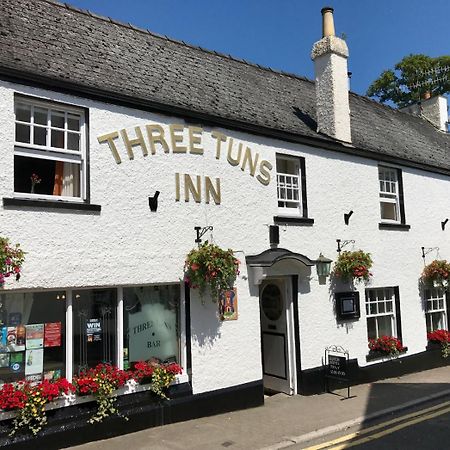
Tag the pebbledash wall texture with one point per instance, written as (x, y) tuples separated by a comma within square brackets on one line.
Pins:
[(237, 130)]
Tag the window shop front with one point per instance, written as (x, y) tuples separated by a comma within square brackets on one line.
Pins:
[(53, 334)]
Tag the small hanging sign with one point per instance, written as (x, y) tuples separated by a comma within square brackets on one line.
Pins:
[(228, 305)]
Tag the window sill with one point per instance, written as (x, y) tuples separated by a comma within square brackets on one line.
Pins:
[(293, 220), (393, 226), (57, 204), (374, 356)]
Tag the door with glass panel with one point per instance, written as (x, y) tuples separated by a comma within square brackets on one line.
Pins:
[(94, 328), (277, 336)]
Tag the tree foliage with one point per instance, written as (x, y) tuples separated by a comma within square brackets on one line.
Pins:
[(411, 78)]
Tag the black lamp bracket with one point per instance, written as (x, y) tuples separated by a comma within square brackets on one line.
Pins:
[(200, 232), (426, 250), (443, 223), (341, 244)]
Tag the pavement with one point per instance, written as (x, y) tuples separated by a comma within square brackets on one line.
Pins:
[(285, 421)]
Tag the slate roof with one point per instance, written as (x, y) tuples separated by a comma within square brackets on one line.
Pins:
[(43, 39)]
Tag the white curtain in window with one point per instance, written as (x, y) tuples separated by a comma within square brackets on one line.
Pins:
[(71, 180)]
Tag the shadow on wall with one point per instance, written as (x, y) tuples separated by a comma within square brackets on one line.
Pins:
[(206, 325)]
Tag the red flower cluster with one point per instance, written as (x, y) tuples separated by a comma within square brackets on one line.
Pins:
[(386, 344), (144, 369), (442, 336), (361, 272), (12, 397), (173, 368), (89, 381)]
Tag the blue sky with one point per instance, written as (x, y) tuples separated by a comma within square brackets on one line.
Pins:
[(280, 33)]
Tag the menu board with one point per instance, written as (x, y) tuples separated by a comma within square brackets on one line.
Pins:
[(52, 334), (35, 336)]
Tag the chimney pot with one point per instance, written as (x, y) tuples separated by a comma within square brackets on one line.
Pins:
[(327, 21)]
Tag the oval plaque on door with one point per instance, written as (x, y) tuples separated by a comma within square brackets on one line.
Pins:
[(272, 302)]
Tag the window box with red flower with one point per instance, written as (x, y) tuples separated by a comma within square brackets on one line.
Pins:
[(439, 339), (437, 273), (29, 402), (210, 266), (385, 347), (353, 266)]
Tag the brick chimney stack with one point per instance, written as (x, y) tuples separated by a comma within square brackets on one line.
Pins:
[(331, 75)]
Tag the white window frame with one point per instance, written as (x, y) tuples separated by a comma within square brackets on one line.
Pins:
[(391, 191), (380, 300), (286, 184), (48, 152), (432, 297)]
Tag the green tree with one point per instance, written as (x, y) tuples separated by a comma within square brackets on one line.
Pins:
[(411, 78)]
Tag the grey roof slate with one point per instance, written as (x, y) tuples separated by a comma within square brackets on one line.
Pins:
[(58, 42)]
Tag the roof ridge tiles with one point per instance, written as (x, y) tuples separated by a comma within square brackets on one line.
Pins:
[(129, 26)]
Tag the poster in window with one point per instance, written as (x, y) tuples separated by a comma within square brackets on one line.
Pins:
[(16, 362), (3, 339), (15, 339), (35, 336), (4, 359), (94, 330), (34, 361), (228, 305), (52, 334)]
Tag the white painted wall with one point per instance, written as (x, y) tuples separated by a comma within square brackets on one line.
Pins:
[(126, 244)]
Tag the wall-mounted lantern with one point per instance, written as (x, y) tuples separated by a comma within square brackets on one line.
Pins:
[(323, 266)]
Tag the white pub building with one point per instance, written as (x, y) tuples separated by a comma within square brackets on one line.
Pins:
[(135, 140)]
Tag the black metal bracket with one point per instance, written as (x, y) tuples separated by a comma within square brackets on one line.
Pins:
[(200, 232), (347, 216), (153, 202), (341, 244), (426, 250), (443, 224)]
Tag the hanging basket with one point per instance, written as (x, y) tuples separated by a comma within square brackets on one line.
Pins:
[(436, 274), (210, 266), (353, 266), (11, 259)]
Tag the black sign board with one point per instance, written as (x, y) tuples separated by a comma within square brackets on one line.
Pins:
[(337, 367)]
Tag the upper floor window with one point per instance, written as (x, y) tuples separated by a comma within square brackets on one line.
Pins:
[(291, 189), (50, 150), (383, 312), (389, 194), (435, 309)]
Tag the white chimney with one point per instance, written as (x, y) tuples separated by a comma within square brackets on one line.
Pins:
[(433, 109), (330, 65)]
